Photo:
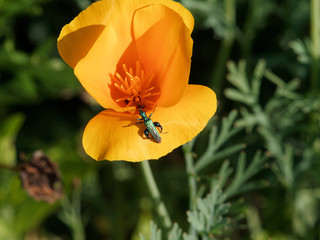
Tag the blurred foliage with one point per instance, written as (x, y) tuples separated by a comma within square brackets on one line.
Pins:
[(253, 173)]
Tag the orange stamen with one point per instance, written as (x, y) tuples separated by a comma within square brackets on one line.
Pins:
[(135, 89)]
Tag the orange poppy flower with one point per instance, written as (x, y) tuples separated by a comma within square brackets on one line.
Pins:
[(130, 54)]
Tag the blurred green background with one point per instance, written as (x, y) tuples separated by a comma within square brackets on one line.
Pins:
[(43, 106)]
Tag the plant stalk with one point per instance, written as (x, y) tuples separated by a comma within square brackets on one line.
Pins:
[(155, 194), (315, 36), (217, 77), (192, 181)]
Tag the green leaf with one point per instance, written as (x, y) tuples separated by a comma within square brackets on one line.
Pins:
[(175, 233), (257, 77), (216, 141), (238, 96), (302, 50), (243, 173), (9, 129)]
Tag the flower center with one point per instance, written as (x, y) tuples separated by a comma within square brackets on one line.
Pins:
[(134, 88)]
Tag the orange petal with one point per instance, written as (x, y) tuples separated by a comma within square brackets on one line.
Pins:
[(77, 37), (164, 49), (108, 136), (101, 60), (95, 40)]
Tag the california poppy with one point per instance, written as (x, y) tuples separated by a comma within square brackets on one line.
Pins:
[(134, 54)]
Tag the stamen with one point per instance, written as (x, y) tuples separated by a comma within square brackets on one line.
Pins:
[(149, 89), (148, 102), (124, 68), (150, 80), (121, 99), (138, 69), (153, 94), (137, 99), (136, 90)]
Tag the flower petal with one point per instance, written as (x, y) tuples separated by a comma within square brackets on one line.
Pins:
[(164, 47), (108, 136), (101, 60), (77, 37), (94, 42)]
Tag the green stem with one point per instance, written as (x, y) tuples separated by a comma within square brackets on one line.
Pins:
[(249, 30), (315, 36), (72, 214), (225, 49), (155, 194), (191, 179)]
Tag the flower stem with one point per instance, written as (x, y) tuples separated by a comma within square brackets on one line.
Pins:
[(315, 36), (217, 76), (155, 194), (192, 179), (191, 172)]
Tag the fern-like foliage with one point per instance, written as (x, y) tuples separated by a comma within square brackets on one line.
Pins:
[(210, 213)]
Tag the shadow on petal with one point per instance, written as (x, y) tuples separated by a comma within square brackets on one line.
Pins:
[(75, 45)]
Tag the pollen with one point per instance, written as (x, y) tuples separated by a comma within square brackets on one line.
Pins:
[(134, 88)]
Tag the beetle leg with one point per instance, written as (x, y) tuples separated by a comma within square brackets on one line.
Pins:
[(146, 132), (157, 124)]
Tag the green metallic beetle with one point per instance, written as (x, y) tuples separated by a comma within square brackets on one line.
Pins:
[(150, 126)]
